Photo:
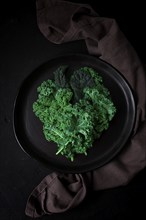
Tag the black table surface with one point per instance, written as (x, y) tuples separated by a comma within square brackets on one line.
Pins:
[(22, 49)]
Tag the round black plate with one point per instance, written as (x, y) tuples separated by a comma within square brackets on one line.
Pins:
[(28, 128)]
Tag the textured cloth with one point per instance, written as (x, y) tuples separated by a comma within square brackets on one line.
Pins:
[(59, 22)]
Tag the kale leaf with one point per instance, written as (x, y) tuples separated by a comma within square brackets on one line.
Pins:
[(60, 78), (79, 80)]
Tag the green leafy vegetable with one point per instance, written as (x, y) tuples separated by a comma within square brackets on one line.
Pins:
[(79, 80), (60, 79), (74, 110)]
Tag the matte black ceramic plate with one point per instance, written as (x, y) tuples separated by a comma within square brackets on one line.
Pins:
[(28, 128)]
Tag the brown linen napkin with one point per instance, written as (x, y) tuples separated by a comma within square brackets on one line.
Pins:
[(62, 21), (56, 193)]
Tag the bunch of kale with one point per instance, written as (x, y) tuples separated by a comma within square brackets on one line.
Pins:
[(74, 109)]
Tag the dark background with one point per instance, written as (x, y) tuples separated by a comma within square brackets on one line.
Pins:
[(22, 49)]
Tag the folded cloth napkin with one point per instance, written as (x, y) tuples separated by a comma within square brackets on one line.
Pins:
[(62, 21)]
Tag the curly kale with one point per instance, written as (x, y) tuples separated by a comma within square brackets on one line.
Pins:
[(74, 111)]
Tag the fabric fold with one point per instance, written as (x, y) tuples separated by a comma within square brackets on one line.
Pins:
[(55, 194), (62, 21)]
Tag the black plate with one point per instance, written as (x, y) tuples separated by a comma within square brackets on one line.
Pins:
[(28, 128)]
